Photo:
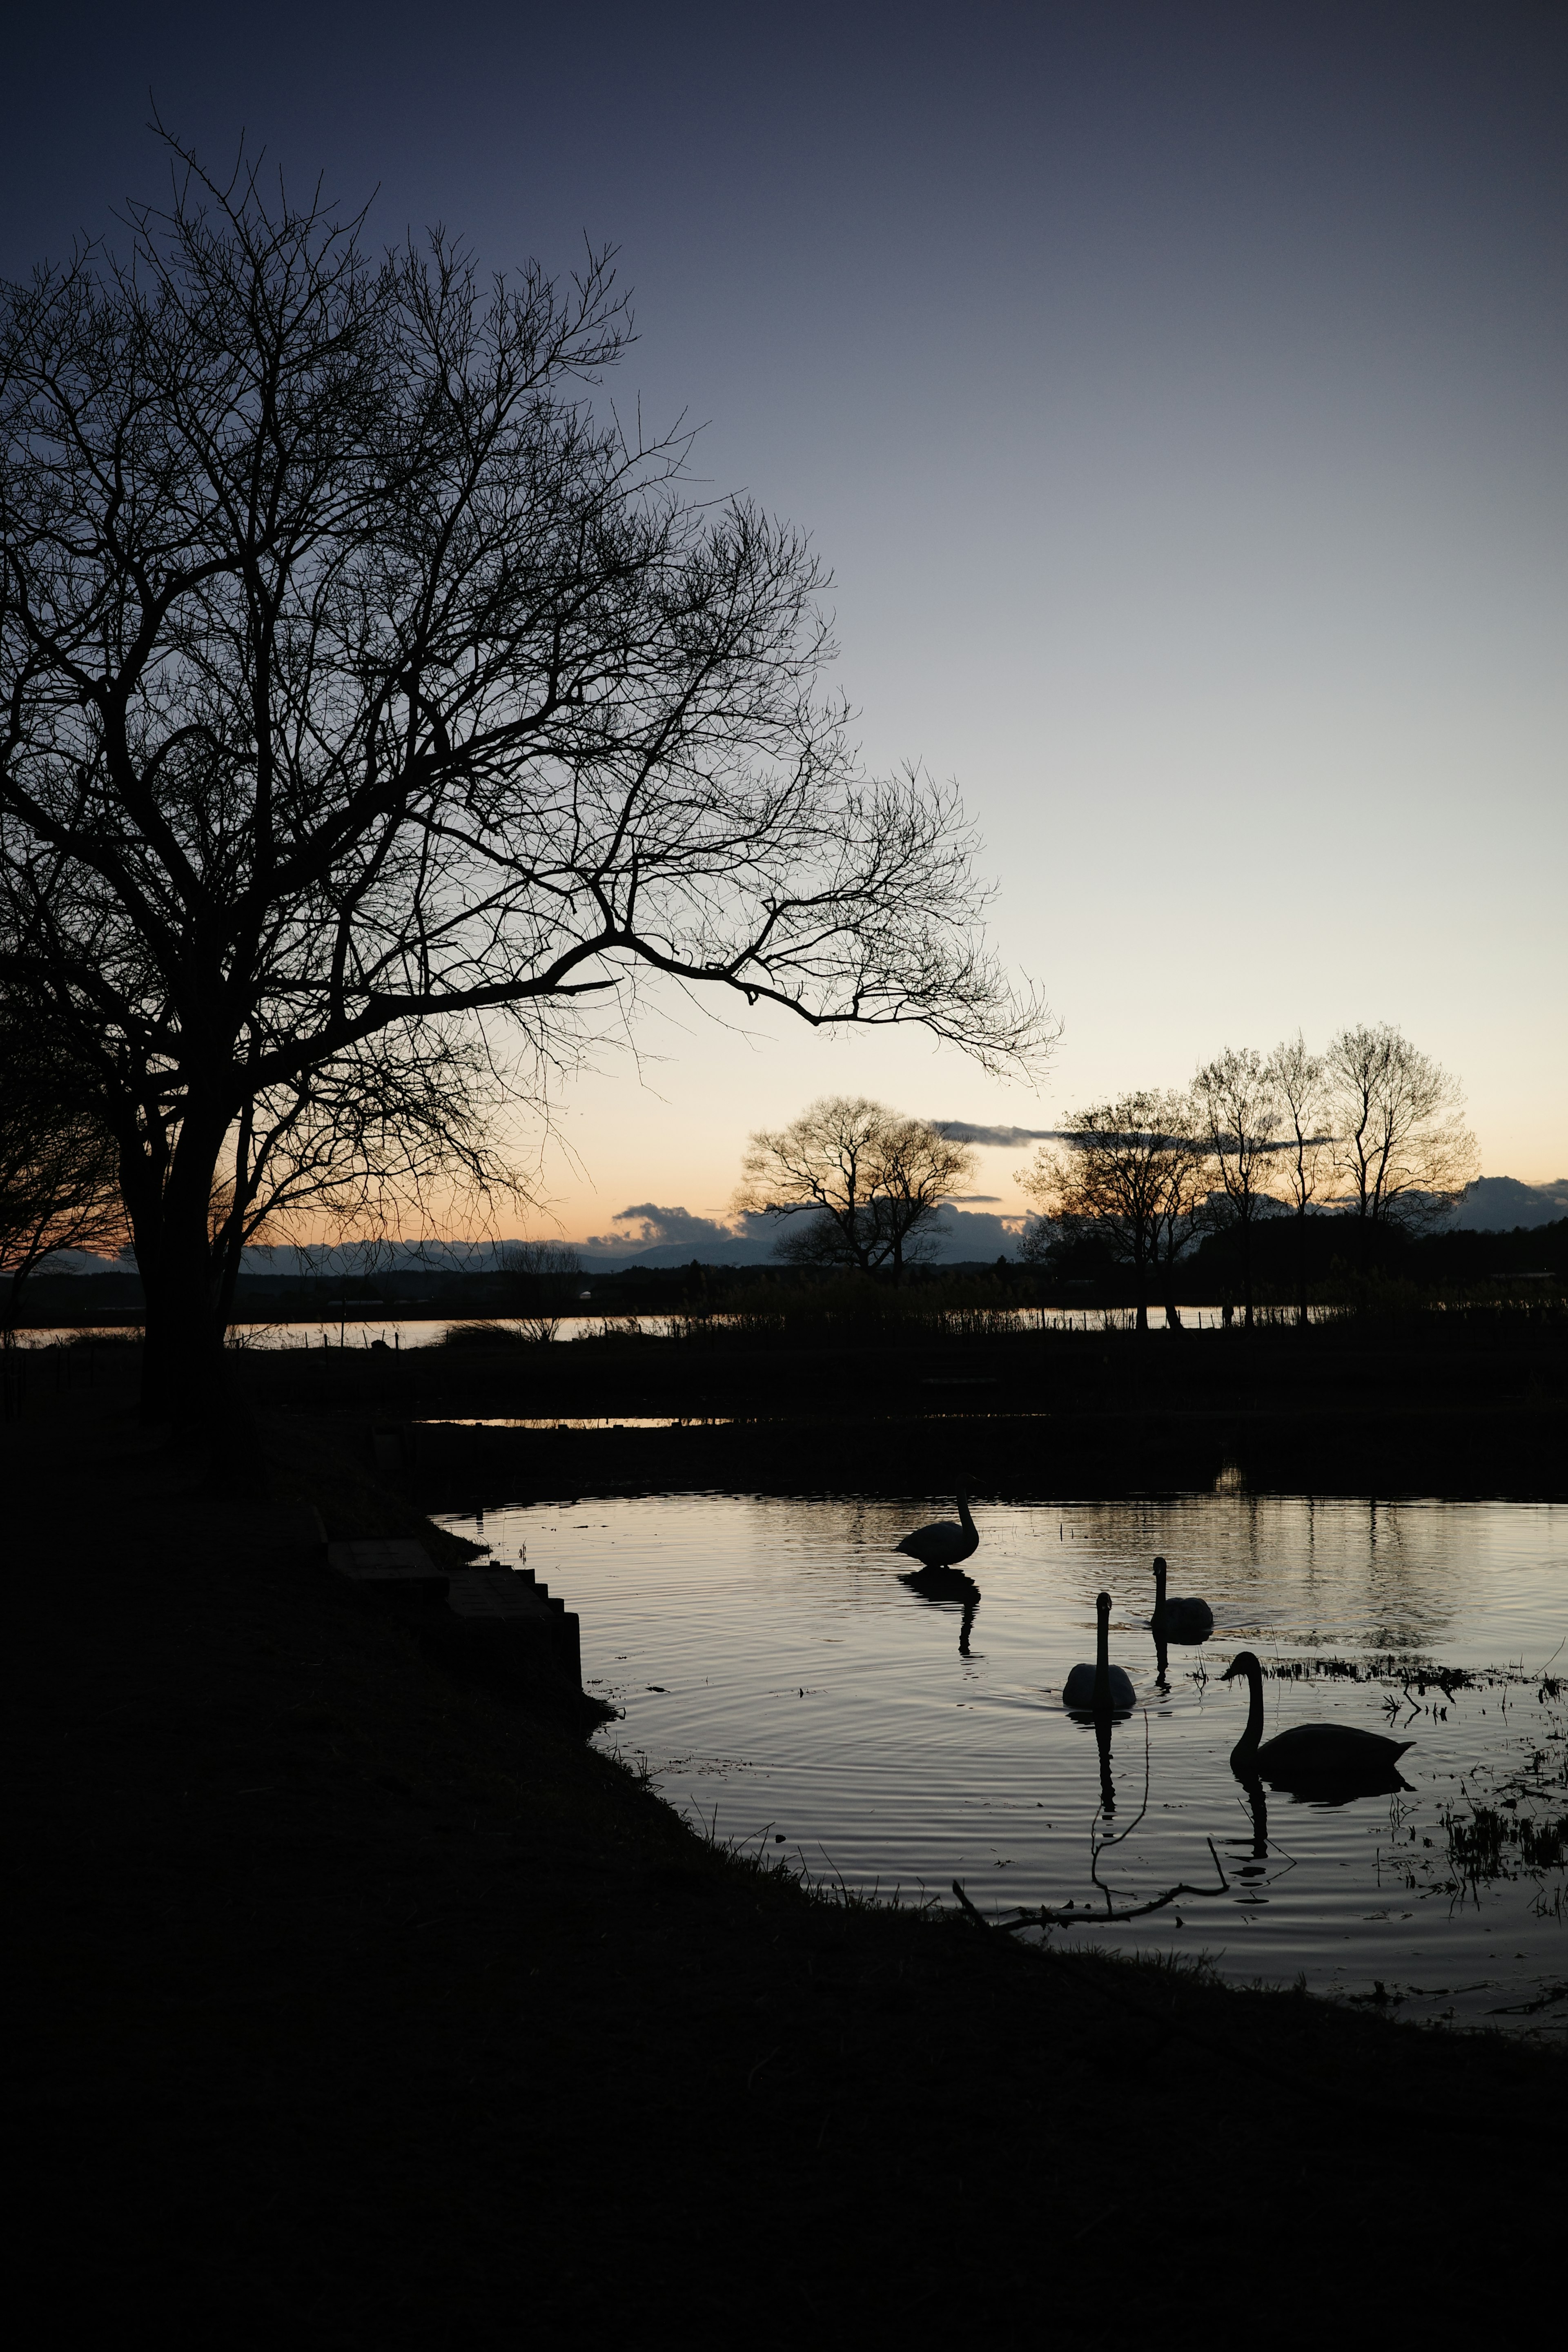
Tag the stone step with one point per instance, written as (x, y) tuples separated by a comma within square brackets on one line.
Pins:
[(385, 1559), (498, 1592), (504, 1610)]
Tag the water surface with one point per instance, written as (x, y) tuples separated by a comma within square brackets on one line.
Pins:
[(360, 1330), (782, 1683)]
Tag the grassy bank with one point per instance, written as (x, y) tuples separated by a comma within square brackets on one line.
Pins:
[(361, 2008)]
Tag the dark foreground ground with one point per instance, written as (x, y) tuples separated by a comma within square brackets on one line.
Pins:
[(359, 2007)]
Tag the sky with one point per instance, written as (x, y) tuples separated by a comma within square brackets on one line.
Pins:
[(1177, 395)]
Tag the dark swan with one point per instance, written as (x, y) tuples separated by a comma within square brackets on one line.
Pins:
[(1332, 1760), (945, 1542), (1179, 1621), (1102, 1688)]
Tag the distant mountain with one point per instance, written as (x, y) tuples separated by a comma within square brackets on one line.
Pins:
[(343, 1258), (963, 1237), (657, 1254), (1495, 1204)]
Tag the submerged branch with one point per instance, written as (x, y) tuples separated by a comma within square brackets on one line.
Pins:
[(1045, 1915)]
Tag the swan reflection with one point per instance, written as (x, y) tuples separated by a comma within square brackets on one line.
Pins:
[(1258, 1806), (944, 1587), (1107, 1785)]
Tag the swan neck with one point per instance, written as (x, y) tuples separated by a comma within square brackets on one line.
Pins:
[(1253, 1732), (1102, 1658), (965, 1518)]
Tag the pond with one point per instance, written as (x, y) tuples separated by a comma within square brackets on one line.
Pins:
[(786, 1690)]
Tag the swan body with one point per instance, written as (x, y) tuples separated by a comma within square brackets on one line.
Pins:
[(1335, 1757), (945, 1542), (1102, 1688), (1177, 1619)]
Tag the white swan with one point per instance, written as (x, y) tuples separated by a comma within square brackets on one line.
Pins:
[(944, 1542), (1102, 1688), (1179, 1621)]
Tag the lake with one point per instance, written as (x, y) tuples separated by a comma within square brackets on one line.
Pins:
[(785, 1691)]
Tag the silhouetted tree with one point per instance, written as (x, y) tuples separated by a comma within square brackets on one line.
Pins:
[(357, 683), (1236, 1101), (58, 1177), (869, 1183), (1304, 1163), (1188, 1175), (1403, 1155), (1117, 1173), (544, 1279), (919, 1168)]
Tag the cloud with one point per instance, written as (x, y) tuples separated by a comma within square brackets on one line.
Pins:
[(960, 1234), (980, 1200), (655, 1224), (960, 1131)]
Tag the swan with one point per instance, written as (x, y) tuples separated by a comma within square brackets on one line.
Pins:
[(1330, 1756), (1179, 1621), (945, 1542), (1102, 1688)]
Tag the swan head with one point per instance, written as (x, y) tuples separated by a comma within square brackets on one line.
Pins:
[(1244, 1663), (1102, 1604), (1160, 1572)]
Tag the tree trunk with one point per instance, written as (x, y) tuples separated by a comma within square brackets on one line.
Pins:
[(226, 1277), (183, 1368), (1247, 1272), (1301, 1267)]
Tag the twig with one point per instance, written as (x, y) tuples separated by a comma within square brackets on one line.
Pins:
[(1047, 1917)]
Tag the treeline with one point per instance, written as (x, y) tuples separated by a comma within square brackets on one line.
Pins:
[(1367, 1135)]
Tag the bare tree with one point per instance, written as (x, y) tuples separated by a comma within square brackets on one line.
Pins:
[(57, 1165), (1304, 1164), (1237, 1104), (919, 1168), (1403, 1155), (358, 681), (1115, 1177), (868, 1182), (1188, 1177), (823, 1163), (545, 1275)]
